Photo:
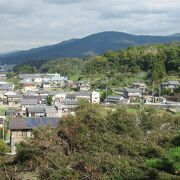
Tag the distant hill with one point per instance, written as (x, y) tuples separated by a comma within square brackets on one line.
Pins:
[(93, 44), (176, 34)]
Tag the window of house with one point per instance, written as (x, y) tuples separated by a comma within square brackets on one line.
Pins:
[(28, 134), (24, 134)]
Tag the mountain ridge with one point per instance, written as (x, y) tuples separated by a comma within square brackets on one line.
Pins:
[(93, 44)]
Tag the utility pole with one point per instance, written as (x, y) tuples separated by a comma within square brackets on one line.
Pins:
[(3, 129), (106, 93), (159, 91)]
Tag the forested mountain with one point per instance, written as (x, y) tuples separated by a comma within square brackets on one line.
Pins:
[(93, 44), (156, 60)]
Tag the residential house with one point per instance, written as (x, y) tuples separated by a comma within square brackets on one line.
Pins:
[(95, 97), (21, 128), (142, 86), (30, 76), (170, 85), (54, 81), (42, 99), (42, 92), (84, 95), (2, 76), (36, 111), (83, 86), (56, 77), (60, 96), (26, 81), (66, 103), (46, 85), (26, 102), (6, 86), (116, 100), (70, 97), (13, 99), (132, 93), (30, 87), (51, 111), (15, 113), (11, 112), (38, 80), (67, 107)]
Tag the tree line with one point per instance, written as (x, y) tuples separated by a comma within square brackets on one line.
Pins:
[(156, 60)]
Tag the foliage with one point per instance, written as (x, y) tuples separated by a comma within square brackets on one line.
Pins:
[(156, 60), (170, 164), (49, 100), (25, 69), (10, 75), (63, 66), (102, 144), (3, 148), (24, 152)]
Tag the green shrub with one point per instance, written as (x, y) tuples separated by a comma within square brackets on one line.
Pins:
[(3, 148)]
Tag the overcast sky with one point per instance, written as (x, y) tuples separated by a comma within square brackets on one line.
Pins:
[(31, 23)]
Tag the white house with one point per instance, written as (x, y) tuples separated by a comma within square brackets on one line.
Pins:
[(95, 97)]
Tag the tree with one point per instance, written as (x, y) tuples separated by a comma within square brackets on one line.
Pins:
[(3, 148), (25, 69), (49, 100), (158, 72)]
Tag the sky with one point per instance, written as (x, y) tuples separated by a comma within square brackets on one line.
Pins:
[(25, 24)]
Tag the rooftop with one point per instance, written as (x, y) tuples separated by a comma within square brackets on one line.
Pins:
[(30, 123), (114, 97), (36, 109), (133, 90), (29, 101), (83, 93)]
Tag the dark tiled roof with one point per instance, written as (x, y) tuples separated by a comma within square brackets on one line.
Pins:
[(83, 93), (174, 82), (11, 111), (41, 91), (171, 83), (71, 96), (133, 90), (14, 96), (36, 109), (114, 98), (69, 102), (50, 110), (29, 102), (53, 93), (30, 123)]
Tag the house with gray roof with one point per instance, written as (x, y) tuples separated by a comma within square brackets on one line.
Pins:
[(132, 93), (116, 100), (13, 100), (26, 102), (170, 85), (84, 95), (36, 111), (51, 111), (21, 128), (6, 86), (71, 97), (141, 86)]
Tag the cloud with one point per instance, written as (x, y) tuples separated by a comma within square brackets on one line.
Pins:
[(19, 7), (64, 1), (26, 23)]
